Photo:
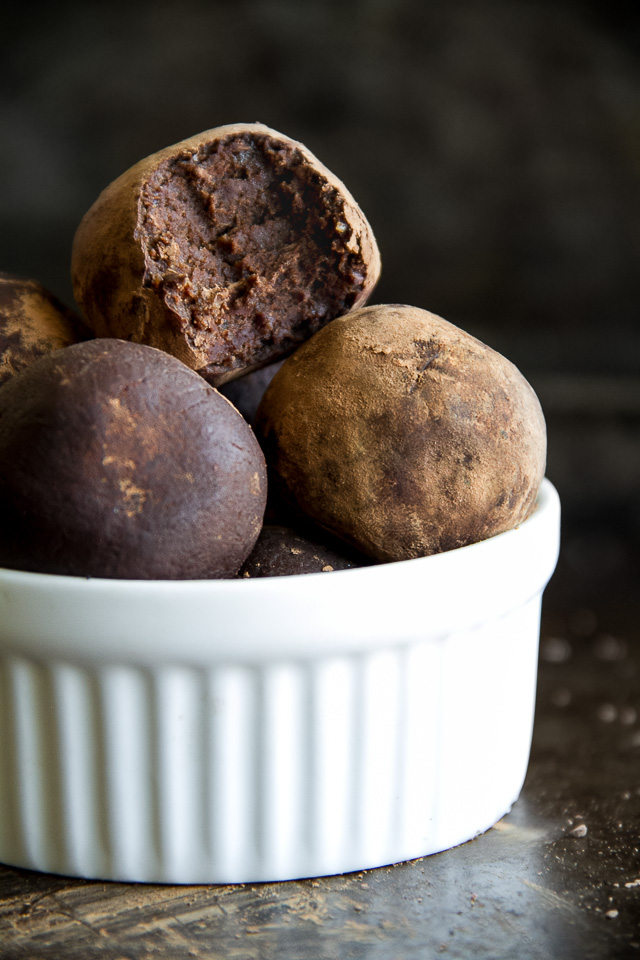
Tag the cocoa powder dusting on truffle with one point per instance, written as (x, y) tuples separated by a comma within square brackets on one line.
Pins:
[(33, 323), (402, 434)]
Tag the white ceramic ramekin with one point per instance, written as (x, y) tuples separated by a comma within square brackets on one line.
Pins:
[(235, 731)]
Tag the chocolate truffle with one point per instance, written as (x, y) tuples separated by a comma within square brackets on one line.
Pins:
[(402, 434), (33, 323), (247, 392), (116, 460), (280, 552), (227, 250)]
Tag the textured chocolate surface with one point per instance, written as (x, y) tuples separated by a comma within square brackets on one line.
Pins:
[(402, 434), (33, 323), (118, 461), (280, 551), (228, 250)]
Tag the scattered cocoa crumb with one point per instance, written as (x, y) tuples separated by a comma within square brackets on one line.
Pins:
[(579, 831)]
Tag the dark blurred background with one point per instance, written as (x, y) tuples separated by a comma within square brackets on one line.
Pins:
[(494, 146)]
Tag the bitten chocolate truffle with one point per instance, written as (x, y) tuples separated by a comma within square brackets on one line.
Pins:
[(227, 250), (33, 323), (402, 434), (281, 552), (116, 460)]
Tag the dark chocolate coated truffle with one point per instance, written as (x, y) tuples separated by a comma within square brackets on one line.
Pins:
[(116, 460), (403, 434), (227, 250), (33, 323), (281, 552)]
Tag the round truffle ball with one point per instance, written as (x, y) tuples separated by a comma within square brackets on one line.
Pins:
[(33, 323), (402, 434), (281, 551), (247, 392), (116, 460), (227, 250)]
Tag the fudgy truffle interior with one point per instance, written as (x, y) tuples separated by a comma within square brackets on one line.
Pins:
[(248, 245)]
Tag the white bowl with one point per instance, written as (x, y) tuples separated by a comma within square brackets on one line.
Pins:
[(234, 731)]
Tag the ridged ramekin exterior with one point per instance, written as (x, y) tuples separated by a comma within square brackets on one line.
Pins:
[(268, 768), (265, 772)]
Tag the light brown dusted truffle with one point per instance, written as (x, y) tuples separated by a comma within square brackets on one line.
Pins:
[(33, 322), (402, 434), (116, 460), (227, 250)]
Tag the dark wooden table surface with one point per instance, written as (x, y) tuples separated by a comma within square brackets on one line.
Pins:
[(559, 876)]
